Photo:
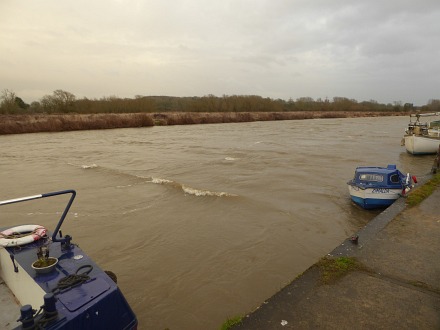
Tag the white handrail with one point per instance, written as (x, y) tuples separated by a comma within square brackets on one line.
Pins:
[(424, 114)]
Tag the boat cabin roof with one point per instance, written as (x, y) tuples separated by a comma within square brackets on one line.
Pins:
[(379, 170), (378, 176)]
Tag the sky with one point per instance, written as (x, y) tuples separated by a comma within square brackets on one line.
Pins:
[(382, 50)]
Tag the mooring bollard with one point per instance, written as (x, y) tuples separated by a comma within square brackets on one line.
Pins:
[(436, 165), (27, 317)]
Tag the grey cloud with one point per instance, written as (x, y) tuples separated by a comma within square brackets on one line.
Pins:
[(351, 48)]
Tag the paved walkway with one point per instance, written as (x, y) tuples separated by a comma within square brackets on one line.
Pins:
[(398, 289)]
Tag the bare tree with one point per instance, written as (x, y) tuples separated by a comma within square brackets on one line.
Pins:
[(7, 103), (59, 101)]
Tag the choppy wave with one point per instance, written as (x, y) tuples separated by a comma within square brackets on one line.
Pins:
[(89, 166), (161, 181), (190, 190), (199, 192), (186, 189), (84, 166)]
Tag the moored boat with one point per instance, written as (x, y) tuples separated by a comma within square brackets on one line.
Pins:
[(422, 138), (378, 187), (48, 271)]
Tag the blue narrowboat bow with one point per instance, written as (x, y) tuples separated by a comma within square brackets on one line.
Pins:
[(57, 285)]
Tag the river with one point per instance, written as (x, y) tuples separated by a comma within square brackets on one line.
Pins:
[(202, 222)]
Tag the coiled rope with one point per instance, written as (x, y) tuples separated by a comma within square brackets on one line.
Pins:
[(74, 280)]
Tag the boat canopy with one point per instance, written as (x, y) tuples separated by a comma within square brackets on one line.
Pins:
[(378, 177)]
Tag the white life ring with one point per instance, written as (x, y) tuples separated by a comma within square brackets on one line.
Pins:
[(35, 232)]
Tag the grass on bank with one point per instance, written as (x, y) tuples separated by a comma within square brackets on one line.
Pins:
[(230, 322), (420, 193), (333, 269)]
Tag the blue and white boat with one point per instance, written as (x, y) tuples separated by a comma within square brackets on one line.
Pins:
[(378, 187), (54, 283)]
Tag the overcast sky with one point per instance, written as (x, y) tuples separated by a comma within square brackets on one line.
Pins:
[(383, 50)]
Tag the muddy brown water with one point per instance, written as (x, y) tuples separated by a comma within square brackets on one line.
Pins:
[(202, 222)]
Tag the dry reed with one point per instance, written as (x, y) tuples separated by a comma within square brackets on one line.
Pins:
[(15, 124)]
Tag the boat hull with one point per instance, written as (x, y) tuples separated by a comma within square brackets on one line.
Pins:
[(421, 145), (371, 198)]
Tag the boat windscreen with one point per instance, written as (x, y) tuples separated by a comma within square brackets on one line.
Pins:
[(371, 177)]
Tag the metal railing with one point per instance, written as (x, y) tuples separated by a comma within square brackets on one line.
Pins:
[(65, 239)]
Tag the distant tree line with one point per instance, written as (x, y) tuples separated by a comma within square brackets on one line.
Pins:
[(65, 102)]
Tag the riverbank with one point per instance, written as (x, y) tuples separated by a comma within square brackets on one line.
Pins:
[(34, 123), (387, 279)]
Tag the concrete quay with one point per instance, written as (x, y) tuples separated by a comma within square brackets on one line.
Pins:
[(396, 287)]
